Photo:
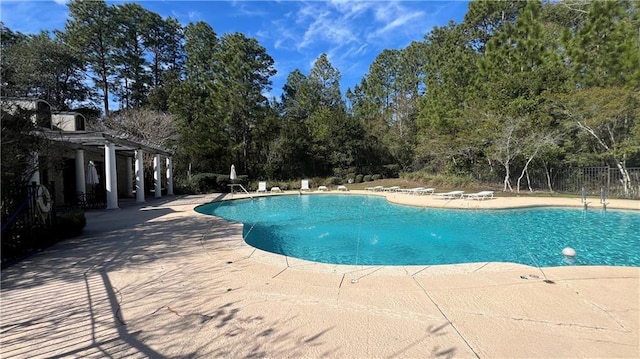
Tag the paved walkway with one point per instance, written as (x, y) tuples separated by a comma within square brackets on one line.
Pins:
[(163, 281)]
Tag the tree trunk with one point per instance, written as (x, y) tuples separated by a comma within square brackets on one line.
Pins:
[(626, 179)]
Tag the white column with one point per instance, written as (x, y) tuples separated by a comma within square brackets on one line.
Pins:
[(129, 161), (169, 177), (112, 177), (34, 167), (139, 177), (81, 185), (156, 175)]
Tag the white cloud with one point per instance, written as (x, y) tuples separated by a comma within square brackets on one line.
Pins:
[(400, 22), (31, 17)]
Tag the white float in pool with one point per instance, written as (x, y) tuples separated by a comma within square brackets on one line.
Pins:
[(569, 252)]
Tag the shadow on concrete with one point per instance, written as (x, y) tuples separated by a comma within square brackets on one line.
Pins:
[(124, 289)]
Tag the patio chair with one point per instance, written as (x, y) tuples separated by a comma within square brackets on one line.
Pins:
[(342, 188), (276, 189), (323, 188), (304, 185), (262, 187), (413, 190), (426, 190), (480, 196), (450, 195), (391, 189), (375, 189)]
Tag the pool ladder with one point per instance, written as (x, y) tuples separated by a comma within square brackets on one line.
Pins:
[(603, 198)]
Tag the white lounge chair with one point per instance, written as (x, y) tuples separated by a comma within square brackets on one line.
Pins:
[(304, 185), (323, 188), (392, 189), (425, 191), (413, 190), (342, 188), (450, 195), (480, 196), (262, 187), (276, 189), (376, 188)]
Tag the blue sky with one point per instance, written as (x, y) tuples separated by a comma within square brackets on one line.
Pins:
[(295, 33)]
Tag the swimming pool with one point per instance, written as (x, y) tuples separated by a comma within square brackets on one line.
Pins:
[(351, 229)]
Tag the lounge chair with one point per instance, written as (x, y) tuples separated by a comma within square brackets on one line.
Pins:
[(450, 195), (304, 185), (392, 189), (376, 188), (262, 187), (480, 196), (276, 189), (425, 191), (413, 190), (342, 188), (323, 188)]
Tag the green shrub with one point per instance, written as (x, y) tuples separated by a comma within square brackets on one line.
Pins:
[(367, 178), (391, 171), (70, 223), (333, 181), (376, 177), (358, 179), (203, 183)]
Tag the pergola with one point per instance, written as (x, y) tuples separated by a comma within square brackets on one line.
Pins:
[(112, 142)]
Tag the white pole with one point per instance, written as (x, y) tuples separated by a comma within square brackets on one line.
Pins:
[(156, 176), (111, 174), (139, 177), (169, 177)]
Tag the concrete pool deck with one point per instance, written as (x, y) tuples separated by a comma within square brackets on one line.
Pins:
[(159, 280)]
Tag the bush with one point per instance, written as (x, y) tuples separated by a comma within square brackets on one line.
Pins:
[(391, 171), (203, 183), (358, 179), (333, 181), (376, 177), (367, 178), (70, 223)]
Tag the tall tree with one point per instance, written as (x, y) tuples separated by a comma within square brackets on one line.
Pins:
[(607, 122), (45, 68), (89, 31), (327, 115), (605, 51), (201, 46), (287, 152), (443, 120), (244, 75), (132, 25)]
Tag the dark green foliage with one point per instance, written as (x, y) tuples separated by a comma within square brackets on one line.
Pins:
[(376, 177), (500, 95), (70, 223), (367, 178), (334, 181)]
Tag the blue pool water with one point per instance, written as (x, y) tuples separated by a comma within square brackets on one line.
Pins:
[(370, 231)]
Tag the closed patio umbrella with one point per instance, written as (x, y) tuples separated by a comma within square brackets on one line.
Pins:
[(233, 176), (92, 177)]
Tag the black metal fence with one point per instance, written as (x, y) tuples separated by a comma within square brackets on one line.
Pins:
[(592, 179), (26, 227)]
